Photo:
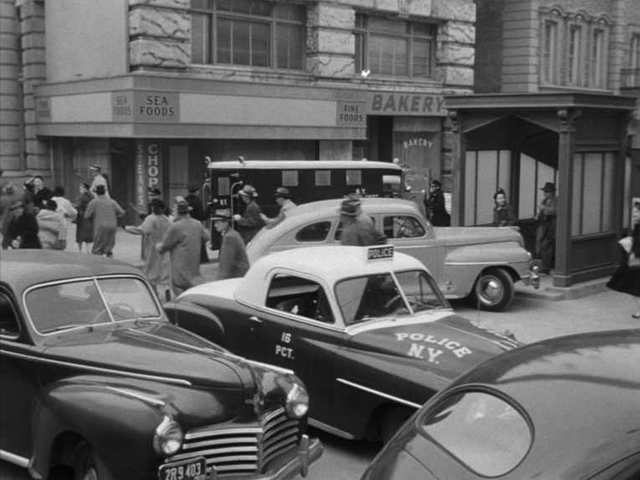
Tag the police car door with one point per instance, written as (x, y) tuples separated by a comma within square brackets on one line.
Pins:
[(299, 332)]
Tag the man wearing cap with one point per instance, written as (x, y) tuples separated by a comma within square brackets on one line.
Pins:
[(283, 199), (233, 261), (98, 179), (357, 227), (182, 241), (250, 222), (546, 229), (104, 212)]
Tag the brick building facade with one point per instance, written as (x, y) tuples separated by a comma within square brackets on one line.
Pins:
[(142, 86)]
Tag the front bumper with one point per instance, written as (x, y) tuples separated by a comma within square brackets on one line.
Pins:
[(308, 451)]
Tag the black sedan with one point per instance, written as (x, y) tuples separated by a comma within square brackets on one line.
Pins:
[(95, 383), (566, 408)]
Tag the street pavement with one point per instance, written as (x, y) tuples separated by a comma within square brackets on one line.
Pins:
[(532, 317)]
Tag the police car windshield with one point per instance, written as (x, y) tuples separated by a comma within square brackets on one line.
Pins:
[(374, 296)]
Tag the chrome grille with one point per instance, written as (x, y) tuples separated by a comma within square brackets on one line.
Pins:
[(241, 448)]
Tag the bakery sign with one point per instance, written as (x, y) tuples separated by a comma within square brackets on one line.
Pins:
[(145, 106), (405, 104)]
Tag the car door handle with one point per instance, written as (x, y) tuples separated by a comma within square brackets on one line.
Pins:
[(255, 319)]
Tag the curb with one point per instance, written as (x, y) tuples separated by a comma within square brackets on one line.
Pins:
[(579, 290)]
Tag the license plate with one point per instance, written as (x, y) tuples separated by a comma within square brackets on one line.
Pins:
[(193, 469)]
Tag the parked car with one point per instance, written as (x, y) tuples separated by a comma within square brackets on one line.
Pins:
[(482, 262), (367, 330), (96, 383), (565, 408)]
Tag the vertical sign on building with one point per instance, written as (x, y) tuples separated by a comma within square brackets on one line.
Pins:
[(154, 166), (141, 177)]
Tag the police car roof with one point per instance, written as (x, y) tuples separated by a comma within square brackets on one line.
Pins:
[(301, 165), (330, 263)]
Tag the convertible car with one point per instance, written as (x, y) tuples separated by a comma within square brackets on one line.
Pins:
[(366, 329), (565, 408), (95, 383), (478, 262)]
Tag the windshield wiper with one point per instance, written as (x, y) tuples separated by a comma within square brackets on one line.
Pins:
[(69, 326)]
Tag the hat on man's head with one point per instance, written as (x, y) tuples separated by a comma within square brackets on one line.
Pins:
[(97, 168), (100, 190), (154, 191), (248, 191), (549, 187), (350, 207), (224, 215), (282, 192), (182, 207), (193, 188)]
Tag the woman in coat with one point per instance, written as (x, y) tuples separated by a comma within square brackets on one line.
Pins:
[(84, 226), (502, 212), (626, 278), (51, 228)]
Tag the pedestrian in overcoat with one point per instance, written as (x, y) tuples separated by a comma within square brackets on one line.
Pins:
[(546, 228), (250, 221), (626, 278), (283, 199), (434, 206), (233, 255), (357, 227), (182, 241), (84, 226), (51, 228), (23, 228), (104, 212)]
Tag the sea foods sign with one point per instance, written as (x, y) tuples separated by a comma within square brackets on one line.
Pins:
[(145, 106)]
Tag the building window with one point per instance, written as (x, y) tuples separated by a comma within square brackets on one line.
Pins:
[(575, 55), (631, 77), (395, 47), (248, 32), (593, 180), (598, 60), (550, 53)]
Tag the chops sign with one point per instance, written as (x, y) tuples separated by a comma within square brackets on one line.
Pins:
[(406, 104)]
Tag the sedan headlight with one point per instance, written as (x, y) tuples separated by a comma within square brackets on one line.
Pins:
[(297, 404), (168, 437)]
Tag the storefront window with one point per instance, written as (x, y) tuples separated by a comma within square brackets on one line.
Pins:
[(394, 47), (248, 32)]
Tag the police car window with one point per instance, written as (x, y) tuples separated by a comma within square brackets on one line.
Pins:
[(482, 431), (316, 232), (420, 290), (372, 296), (299, 296), (8, 321), (402, 226)]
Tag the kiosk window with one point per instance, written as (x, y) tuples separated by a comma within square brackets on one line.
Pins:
[(316, 232), (223, 186), (290, 178), (299, 296), (8, 321), (400, 226)]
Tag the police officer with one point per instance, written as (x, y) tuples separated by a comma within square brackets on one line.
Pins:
[(233, 260), (357, 226)]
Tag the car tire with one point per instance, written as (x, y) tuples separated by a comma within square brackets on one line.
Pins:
[(86, 466), (392, 419), (493, 289)]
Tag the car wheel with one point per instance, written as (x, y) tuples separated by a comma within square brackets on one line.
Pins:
[(392, 420), (494, 289), (85, 464)]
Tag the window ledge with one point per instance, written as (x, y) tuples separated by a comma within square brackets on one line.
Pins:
[(248, 72), (546, 88)]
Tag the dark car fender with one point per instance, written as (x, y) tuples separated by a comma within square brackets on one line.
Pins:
[(196, 319), (113, 421)]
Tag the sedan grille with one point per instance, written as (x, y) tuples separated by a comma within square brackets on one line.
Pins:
[(241, 448)]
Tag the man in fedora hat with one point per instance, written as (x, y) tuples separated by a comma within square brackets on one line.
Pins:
[(283, 199), (249, 222), (182, 241), (233, 260), (546, 229), (357, 227)]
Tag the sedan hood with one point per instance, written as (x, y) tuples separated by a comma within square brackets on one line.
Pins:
[(443, 342), (156, 349)]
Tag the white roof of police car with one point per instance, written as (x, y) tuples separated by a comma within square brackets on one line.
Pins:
[(302, 165), (329, 263)]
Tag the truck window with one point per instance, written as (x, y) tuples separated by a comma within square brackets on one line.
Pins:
[(322, 178), (354, 177), (290, 178)]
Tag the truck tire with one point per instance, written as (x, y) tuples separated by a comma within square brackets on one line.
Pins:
[(493, 289), (86, 466)]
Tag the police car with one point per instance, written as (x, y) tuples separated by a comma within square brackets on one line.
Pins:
[(367, 329)]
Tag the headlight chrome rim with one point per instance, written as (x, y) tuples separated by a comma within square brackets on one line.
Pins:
[(168, 437), (297, 404)]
